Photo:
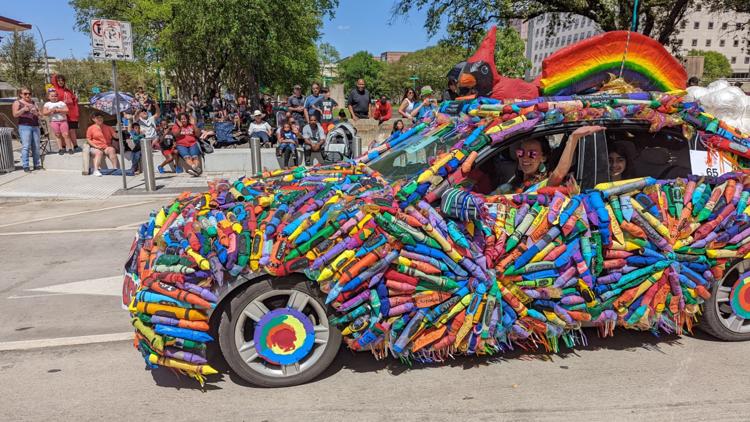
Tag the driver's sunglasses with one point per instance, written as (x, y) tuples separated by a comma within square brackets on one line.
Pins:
[(529, 153)]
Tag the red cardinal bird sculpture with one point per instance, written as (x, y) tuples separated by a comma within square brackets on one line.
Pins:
[(479, 75)]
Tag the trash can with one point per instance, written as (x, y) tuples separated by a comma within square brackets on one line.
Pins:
[(6, 150)]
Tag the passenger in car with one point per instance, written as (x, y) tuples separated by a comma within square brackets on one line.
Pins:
[(620, 161), (532, 155)]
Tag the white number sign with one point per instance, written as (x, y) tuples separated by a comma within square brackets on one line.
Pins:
[(698, 163)]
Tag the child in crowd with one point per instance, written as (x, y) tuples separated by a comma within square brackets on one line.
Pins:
[(325, 106), (57, 112), (134, 144), (287, 143), (166, 145)]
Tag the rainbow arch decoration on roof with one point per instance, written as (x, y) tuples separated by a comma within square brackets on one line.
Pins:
[(588, 64)]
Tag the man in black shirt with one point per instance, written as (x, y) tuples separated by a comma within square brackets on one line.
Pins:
[(359, 102), (296, 104)]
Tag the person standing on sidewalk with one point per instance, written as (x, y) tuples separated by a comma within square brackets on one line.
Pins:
[(27, 114), (311, 100), (67, 96), (296, 104), (57, 112), (359, 102)]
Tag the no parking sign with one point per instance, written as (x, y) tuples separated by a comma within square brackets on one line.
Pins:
[(111, 40)]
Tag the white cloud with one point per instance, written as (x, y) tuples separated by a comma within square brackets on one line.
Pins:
[(343, 27)]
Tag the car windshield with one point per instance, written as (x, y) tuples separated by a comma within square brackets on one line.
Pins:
[(411, 156)]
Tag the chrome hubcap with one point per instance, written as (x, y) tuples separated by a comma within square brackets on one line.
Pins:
[(297, 352)]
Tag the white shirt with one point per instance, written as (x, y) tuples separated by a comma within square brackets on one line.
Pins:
[(56, 117), (148, 127), (258, 127)]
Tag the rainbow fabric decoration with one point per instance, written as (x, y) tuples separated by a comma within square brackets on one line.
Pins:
[(587, 64), (284, 336)]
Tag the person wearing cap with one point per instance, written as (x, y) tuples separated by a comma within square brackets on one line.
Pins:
[(259, 129), (452, 92), (359, 101), (296, 104), (427, 104), (383, 109), (311, 100)]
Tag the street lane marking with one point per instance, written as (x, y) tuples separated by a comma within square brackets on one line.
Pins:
[(105, 229), (106, 286), (32, 296), (64, 341), (114, 207)]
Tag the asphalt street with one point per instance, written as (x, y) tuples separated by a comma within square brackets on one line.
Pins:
[(64, 353)]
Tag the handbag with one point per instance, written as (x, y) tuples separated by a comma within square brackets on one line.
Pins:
[(205, 146)]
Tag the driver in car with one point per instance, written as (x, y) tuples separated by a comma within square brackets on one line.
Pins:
[(532, 156)]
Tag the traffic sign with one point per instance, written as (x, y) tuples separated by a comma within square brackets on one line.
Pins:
[(111, 40)]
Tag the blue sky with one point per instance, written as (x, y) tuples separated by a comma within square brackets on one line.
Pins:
[(358, 25)]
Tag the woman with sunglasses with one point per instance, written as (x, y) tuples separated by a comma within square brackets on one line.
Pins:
[(408, 102), (532, 156), (27, 114)]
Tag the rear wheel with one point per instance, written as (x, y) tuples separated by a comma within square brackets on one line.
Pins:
[(276, 334), (726, 314)]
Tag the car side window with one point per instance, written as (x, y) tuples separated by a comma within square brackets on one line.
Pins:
[(661, 155)]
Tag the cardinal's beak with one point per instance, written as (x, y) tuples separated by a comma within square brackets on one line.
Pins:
[(467, 80)]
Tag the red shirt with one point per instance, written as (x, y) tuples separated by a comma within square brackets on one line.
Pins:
[(185, 136), (383, 111), (100, 137), (68, 97)]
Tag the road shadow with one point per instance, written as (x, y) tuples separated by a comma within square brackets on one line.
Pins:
[(168, 378)]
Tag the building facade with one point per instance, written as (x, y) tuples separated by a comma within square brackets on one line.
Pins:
[(720, 32), (392, 56), (539, 45)]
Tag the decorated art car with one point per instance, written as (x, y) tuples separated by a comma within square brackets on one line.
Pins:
[(436, 244)]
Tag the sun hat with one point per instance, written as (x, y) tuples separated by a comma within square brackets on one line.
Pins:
[(426, 90), (257, 113)]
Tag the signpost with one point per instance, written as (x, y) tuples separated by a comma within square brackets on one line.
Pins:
[(113, 40)]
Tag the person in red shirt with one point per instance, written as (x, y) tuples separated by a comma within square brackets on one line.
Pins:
[(67, 96), (383, 109), (99, 137), (186, 135)]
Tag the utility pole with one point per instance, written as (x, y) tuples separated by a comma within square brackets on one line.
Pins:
[(44, 47)]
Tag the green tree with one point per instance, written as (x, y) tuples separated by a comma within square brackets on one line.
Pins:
[(465, 19), (83, 75), (22, 62), (715, 65), (429, 65), (510, 53), (361, 65), (208, 44), (327, 53)]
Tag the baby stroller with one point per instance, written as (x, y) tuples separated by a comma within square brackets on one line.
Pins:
[(226, 137), (338, 143)]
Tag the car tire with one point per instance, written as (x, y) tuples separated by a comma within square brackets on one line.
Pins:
[(240, 320), (719, 319)]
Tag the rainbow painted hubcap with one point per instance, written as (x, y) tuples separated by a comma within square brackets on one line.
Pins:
[(739, 299), (284, 336)]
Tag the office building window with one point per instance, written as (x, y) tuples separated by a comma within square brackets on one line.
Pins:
[(724, 25), (734, 60), (588, 34), (708, 43), (698, 8), (747, 60), (736, 43), (722, 43), (696, 25), (710, 25), (738, 26), (694, 43), (683, 24), (570, 38), (679, 42)]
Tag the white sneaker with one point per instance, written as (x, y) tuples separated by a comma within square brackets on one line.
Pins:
[(97, 173)]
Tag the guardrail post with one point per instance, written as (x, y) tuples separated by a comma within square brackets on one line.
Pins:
[(147, 163)]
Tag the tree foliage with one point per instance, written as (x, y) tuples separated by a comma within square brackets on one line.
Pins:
[(205, 45), (22, 62), (510, 53), (361, 65), (429, 65), (715, 65), (327, 53), (83, 75), (465, 19)]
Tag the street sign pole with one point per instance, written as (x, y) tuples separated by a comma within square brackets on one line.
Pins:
[(119, 125)]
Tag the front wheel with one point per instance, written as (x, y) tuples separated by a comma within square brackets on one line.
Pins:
[(726, 314), (276, 334)]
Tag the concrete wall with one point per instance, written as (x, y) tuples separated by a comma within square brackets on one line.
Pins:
[(369, 130)]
